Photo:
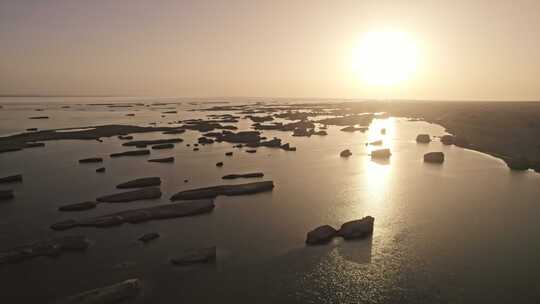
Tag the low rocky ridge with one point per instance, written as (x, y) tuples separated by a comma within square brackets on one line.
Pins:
[(51, 248), (116, 293), (130, 196), (163, 211), (131, 153), (229, 190), (244, 175), (356, 229), (162, 160), (140, 182), (11, 178)]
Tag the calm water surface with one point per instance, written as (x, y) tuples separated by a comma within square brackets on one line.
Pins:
[(466, 231)]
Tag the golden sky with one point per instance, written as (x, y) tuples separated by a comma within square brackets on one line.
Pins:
[(464, 49)]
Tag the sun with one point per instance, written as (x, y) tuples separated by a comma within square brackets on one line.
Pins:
[(385, 58)]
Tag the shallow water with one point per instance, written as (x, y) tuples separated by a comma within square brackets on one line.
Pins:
[(462, 232)]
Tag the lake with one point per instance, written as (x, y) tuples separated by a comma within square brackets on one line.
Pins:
[(465, 231)]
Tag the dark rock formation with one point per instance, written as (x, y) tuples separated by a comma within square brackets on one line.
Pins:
[(39, 117), (205, 141), (164, 211), (31, 129), (244, 175), (357, 229), (461, 142), (6, 194), (131, 153), (447, 139), (195, 256), (144, 143), (179, 131), (345, 153), (91, 160), (11, 178), (34, 145), (251, 151), (423, 138), (125, 137), (434, 157), (163, 146), (162, 160), (78, 206), (219, 164), (130, 196), (229, 190), (51, 248), (376, 143), (100, 170), (149, 237), (381, 153), (321, 235), (170, 112), (320, 133), (354, 129), (119, 292), (140, 182), (228, 153)]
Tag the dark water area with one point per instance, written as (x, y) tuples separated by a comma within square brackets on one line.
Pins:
[(465, 231)]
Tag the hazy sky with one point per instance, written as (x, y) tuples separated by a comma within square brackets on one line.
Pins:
[(469, 49)]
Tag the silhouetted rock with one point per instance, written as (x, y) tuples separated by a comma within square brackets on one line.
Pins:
[(219, 164), (357, 229), (91, 160), (31, 129), (195, 256), (320, 133), (251, 151), (149, 237), (142, 143), (125, 137), (228, 153), (129, 196), (423, 138), (354, 129), (245, 175), (116, 293), (195, 149), (229, 190), (130, 114), (376, 143), (34, 145), (447, 139), (100, 170), (164, 211), (78, 206), (162, 160), (140, 182), (170, 112), (434, 157), (345, 153), (50, 248), (381, 153), (287, 147), (205, 141), (131, 153), (6, 194), (321, 235), (39, 117), (11, 178), (163, 146), (179, 131)]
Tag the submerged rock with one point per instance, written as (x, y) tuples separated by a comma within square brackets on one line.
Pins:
[(78, 206), (381, 153), (195, 256), (149, 237), (354, 129), (141, 143), (321, 235), (357, 229), (11, 178), (434, 157), (162, 160), (140, 182), (447, 139), (245, 175), (51, 248), (423, 138), (116, 293), (163, 146), (131, 153), (6, 194), (345, 153), (130, 196), (164, 211), (229, 190), (91, 160)]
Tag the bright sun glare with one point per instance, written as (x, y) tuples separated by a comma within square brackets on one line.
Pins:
[(385, 58)]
